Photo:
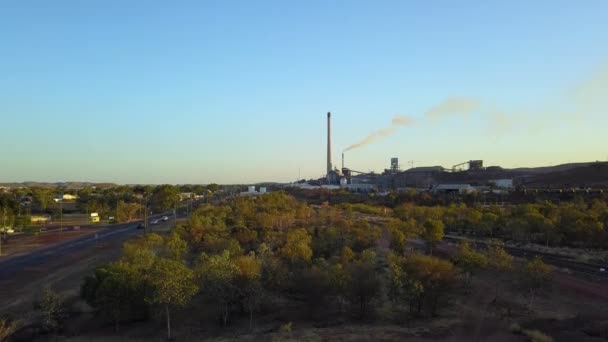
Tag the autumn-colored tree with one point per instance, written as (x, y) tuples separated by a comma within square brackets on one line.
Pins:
[(435, 275), (249, 283), (297, 249)]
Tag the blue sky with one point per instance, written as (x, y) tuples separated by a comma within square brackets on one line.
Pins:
[(237, 91)]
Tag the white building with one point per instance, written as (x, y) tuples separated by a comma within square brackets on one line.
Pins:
[(503, 183)]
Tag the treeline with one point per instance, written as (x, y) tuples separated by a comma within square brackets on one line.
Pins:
[(577, 224), (253, 256), (122, 202)]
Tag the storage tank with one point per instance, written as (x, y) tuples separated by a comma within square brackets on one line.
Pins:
[(251, 188), (343, 182)]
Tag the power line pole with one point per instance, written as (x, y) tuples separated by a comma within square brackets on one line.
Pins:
[(61, 216)]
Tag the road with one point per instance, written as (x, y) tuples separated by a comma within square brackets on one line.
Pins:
[(39, 257)]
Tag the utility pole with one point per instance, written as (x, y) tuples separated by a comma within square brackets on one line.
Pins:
[(145, 214), (61, 216), (175, 215), (3, 227)]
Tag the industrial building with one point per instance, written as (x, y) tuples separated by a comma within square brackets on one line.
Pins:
[(465, 177)]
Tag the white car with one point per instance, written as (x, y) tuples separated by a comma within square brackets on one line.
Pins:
[(7, 230), (165, 218), (155, 222)]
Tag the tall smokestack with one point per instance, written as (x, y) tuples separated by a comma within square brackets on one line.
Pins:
[(328, 148)]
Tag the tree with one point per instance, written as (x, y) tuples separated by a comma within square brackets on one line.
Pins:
[(176, 248), (248, 282), (51, 309), (217, 274), (469, 260), (534, 278), (297, 247), (435, 277), (364, 285), (43, 197), (165, 197), (432, 233), (501, 262), (126, 211), (116, 291), (172, 285)]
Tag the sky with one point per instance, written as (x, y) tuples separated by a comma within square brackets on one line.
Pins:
[(238, 91)]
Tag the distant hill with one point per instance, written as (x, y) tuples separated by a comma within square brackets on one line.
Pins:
[(550, 169), (579, 176), (69, 185)]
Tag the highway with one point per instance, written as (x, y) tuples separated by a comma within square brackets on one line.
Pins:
[(39, 257)]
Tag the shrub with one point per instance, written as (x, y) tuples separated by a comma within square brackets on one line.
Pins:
[(537, 336)]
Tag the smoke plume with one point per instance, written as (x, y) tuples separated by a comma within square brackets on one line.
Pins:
[(397, 122), (453, 106)]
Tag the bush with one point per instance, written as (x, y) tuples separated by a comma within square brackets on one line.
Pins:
[(7, 328), (537, 336)]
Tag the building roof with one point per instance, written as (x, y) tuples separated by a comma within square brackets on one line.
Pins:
[(426, 169)]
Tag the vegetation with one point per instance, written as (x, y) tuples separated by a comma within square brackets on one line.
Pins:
[(245, 252)]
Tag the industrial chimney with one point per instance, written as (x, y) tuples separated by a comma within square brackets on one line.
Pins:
[(329, 148)]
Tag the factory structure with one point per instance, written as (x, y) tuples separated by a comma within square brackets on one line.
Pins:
[(465, 177)]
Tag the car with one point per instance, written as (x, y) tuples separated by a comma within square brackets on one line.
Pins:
[(155, 222), (7, 230), (165, 218), (140, 226)]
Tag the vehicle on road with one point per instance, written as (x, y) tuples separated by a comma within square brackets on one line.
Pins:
[(155, 222), (165, 218), (7, 230)]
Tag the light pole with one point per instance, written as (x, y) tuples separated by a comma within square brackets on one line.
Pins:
[(61, 216)]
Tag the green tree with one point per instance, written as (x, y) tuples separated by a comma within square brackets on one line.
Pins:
[(501, 262), (176, 247), (217, 274), (165, 197), (172, 285), (534, 278), (43, 197), (51, 310), (469, 260), (364, 285), (432, 233)]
